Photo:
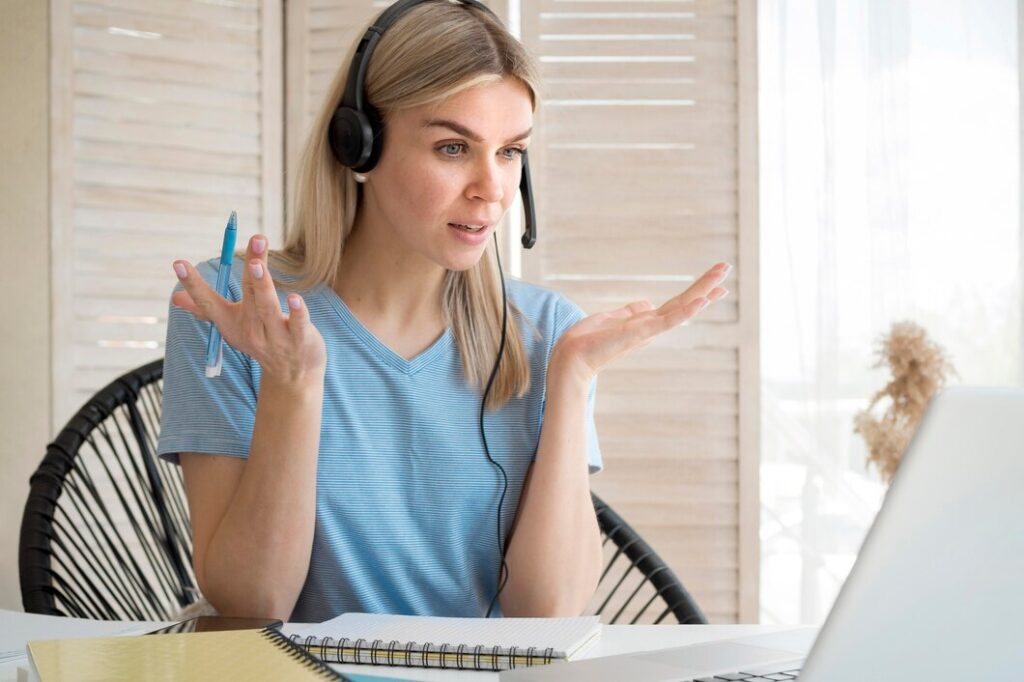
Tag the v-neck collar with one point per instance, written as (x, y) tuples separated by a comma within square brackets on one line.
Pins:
[(383, 351)]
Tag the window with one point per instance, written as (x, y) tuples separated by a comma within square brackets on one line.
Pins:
[(889, 191)]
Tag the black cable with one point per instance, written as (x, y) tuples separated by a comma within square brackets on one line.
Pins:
[(503, 575)]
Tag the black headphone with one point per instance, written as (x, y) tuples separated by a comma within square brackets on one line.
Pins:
[(355, 137), (356, 133)]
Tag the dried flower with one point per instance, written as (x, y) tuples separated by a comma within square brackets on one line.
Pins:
[(919, 368)]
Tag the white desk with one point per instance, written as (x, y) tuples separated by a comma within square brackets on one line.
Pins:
[(615, 639)]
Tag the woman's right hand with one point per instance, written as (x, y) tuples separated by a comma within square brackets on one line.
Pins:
[(289, 348)]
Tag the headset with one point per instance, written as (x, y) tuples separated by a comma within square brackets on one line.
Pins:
[(356, 137), (356, 133)]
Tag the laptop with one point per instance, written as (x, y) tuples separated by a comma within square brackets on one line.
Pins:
[(936, 593)]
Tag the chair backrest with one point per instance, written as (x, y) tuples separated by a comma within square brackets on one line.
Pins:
[(637, 586), (106, 532)]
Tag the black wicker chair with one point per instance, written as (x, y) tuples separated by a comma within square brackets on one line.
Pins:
[(635, 579), (106, 532)]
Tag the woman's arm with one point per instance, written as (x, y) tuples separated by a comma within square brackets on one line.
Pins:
[(253, 520), (554, 556)]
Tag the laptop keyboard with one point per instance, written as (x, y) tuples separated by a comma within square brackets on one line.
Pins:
[(766, 675)]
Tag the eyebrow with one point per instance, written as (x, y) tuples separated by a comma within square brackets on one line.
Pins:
[(466, 132)]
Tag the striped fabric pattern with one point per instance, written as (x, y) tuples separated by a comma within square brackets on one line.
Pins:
[(406, 498)]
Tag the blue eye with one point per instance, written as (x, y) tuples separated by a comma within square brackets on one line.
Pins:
[(516, 152), (452, 148)]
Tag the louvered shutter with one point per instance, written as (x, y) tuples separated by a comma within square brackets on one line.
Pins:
[(166, 116), (643, 169)]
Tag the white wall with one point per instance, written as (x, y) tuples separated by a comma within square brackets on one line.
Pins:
[(24, 269)]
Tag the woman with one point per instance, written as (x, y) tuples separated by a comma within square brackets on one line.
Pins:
[(352, 475)]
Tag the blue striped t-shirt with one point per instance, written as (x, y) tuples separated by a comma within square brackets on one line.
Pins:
[(406, 499)]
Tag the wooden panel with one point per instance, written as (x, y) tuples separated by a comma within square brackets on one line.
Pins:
[(636, 163), (141, 88), (221, 121), (180, 28), (750, 328), (165, 118), (154, 155), (144, 68), (224, 14), (128, 46)]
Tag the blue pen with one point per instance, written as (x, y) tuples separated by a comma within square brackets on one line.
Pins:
[(214, 350)]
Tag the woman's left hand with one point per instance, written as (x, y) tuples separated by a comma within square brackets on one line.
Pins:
[(596, 341)]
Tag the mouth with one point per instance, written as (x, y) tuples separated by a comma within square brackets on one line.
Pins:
[(469, 228)]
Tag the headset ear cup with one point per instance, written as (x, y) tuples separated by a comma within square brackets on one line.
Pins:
[(351, 137), (376, 137)]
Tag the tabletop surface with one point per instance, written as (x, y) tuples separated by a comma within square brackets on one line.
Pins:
[(615, 639)]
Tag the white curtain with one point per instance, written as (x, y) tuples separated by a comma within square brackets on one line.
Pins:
[(889, 190)]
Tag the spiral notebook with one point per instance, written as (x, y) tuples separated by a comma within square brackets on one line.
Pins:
[(459, 643), (222, 656)]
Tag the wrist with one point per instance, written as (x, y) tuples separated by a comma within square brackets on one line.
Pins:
[(568, 373), (294, 386)]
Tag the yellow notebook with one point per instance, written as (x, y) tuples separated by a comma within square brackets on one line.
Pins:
[(220, 656)]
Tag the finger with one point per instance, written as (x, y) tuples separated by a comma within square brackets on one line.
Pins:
[(662, 321), (710, 279), (209, 305), (718, 293), (630, 309), (597, 318), (699, 289), (254, 281), (265, 300), (182, 300), (256, 247), (637, 307), (617, 313), (298, 317)]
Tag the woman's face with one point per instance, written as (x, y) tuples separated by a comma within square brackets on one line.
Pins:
[(448, 164)]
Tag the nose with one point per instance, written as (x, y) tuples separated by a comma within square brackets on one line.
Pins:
[(486, 182)]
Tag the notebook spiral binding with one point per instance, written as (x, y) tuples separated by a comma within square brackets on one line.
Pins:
[(299, 654), (426, 655)]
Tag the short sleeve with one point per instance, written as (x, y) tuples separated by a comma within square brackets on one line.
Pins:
[(200, 414), (567, 314)]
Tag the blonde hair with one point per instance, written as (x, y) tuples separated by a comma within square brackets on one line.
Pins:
[(433, 52)]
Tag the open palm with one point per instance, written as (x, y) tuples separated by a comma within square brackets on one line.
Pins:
[(596, 341)]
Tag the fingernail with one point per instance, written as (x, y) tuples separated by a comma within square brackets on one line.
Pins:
[(726, 270), (256, 269), (259, 244), (294, 302), (180, 270), (703, 305)]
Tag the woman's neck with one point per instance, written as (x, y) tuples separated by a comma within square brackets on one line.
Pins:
[(392, 290)]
